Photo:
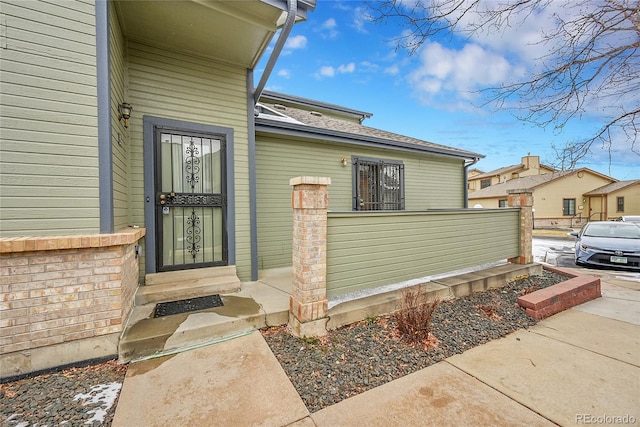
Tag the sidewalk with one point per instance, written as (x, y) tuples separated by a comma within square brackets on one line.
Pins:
[(580, 366)]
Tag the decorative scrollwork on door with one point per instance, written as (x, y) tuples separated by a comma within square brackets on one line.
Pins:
[(192, 164), (193, 234)]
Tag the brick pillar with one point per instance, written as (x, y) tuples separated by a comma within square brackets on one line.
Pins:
[(523, 199), (308, 301)]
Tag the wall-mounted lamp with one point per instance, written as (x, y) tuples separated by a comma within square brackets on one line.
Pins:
[(343, 161), (125, 110)]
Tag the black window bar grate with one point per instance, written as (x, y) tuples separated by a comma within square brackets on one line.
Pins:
[(379, 185)]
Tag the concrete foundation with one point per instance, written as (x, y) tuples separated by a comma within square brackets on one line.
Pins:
[(44, 358)]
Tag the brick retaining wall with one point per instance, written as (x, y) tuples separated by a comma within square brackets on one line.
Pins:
[(60, 289), (562, 296)]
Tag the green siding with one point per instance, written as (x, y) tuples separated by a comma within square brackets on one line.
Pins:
[(49, 150), (431, 182), (366, 250), (120, 136), (179, 87)]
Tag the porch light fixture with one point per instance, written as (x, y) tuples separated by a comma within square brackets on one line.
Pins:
[(343, 161), (125, 113)]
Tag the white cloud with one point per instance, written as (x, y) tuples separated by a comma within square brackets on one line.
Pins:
[(392, 70), (329, 24), (360, 18), (368, 67), (327, 71), (284, 73), (296, 42), (328, 29), (457, 74), (347, 68)]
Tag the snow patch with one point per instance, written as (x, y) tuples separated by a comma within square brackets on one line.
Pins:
[(103, 395)]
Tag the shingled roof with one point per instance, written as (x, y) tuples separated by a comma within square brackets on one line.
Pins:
[(506, 169), (314, 124), (610, 188), (525, 183)]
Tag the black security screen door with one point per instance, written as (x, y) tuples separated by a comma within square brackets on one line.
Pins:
[(190, 200)]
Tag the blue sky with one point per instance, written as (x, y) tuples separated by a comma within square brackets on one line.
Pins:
[(338, 56)]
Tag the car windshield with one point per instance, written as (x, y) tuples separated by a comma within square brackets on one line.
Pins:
[(622, 231)]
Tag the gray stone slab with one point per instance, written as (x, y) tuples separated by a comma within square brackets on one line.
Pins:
[(233, 383), (623, 294), (608, 337), (624, 310), (560, 381), (439, 395)]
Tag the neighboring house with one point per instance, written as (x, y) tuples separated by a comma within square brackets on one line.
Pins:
[(132, 148), (615, 200), (530, 165), (559, 198)]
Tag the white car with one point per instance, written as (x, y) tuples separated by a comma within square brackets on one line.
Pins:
[(609, 244)]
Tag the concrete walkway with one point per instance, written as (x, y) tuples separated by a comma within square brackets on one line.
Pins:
[(581, 366)]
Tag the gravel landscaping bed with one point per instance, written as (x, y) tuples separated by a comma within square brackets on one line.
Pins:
[(367, 354), (72, 397), (324, 371)]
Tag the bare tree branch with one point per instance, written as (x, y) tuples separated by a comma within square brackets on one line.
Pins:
[(591, 68)]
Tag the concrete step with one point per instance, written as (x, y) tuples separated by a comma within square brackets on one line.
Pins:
[(255, 306), (168, 277), (189, 289), (178, 285)]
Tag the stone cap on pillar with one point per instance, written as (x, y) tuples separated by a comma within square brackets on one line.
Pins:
[(313, 180), (519, 191)]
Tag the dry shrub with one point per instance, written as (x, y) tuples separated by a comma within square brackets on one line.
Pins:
[(491, 310), (413, 320), (532, 288)]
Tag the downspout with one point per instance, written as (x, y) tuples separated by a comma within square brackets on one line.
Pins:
[(465, 178), (284, 34), (253, 216), (252, 101)]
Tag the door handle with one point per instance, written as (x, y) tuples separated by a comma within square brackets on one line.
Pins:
[(163, 199)]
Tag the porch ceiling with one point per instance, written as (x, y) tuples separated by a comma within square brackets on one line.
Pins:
[(236, 32)]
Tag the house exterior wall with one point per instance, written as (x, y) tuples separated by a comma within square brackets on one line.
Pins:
[(430, 182), (120, 143), (529, 165), (487, 203), (631, 196), (174, 86), (548, 198), (49, 152), (365, 250)]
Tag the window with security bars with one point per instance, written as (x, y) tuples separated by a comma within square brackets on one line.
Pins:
[(378, 185)]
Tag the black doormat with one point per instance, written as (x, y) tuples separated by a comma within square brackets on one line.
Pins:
[(187, 305)]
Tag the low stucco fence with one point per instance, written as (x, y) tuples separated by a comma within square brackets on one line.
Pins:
[(371, 249)]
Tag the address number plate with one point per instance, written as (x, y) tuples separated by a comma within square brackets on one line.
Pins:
[(619, 259)]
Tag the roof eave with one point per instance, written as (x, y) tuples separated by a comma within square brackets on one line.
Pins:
[(292, 129), (317, 104)]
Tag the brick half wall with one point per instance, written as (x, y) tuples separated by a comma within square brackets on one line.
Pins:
[(64, 299)]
